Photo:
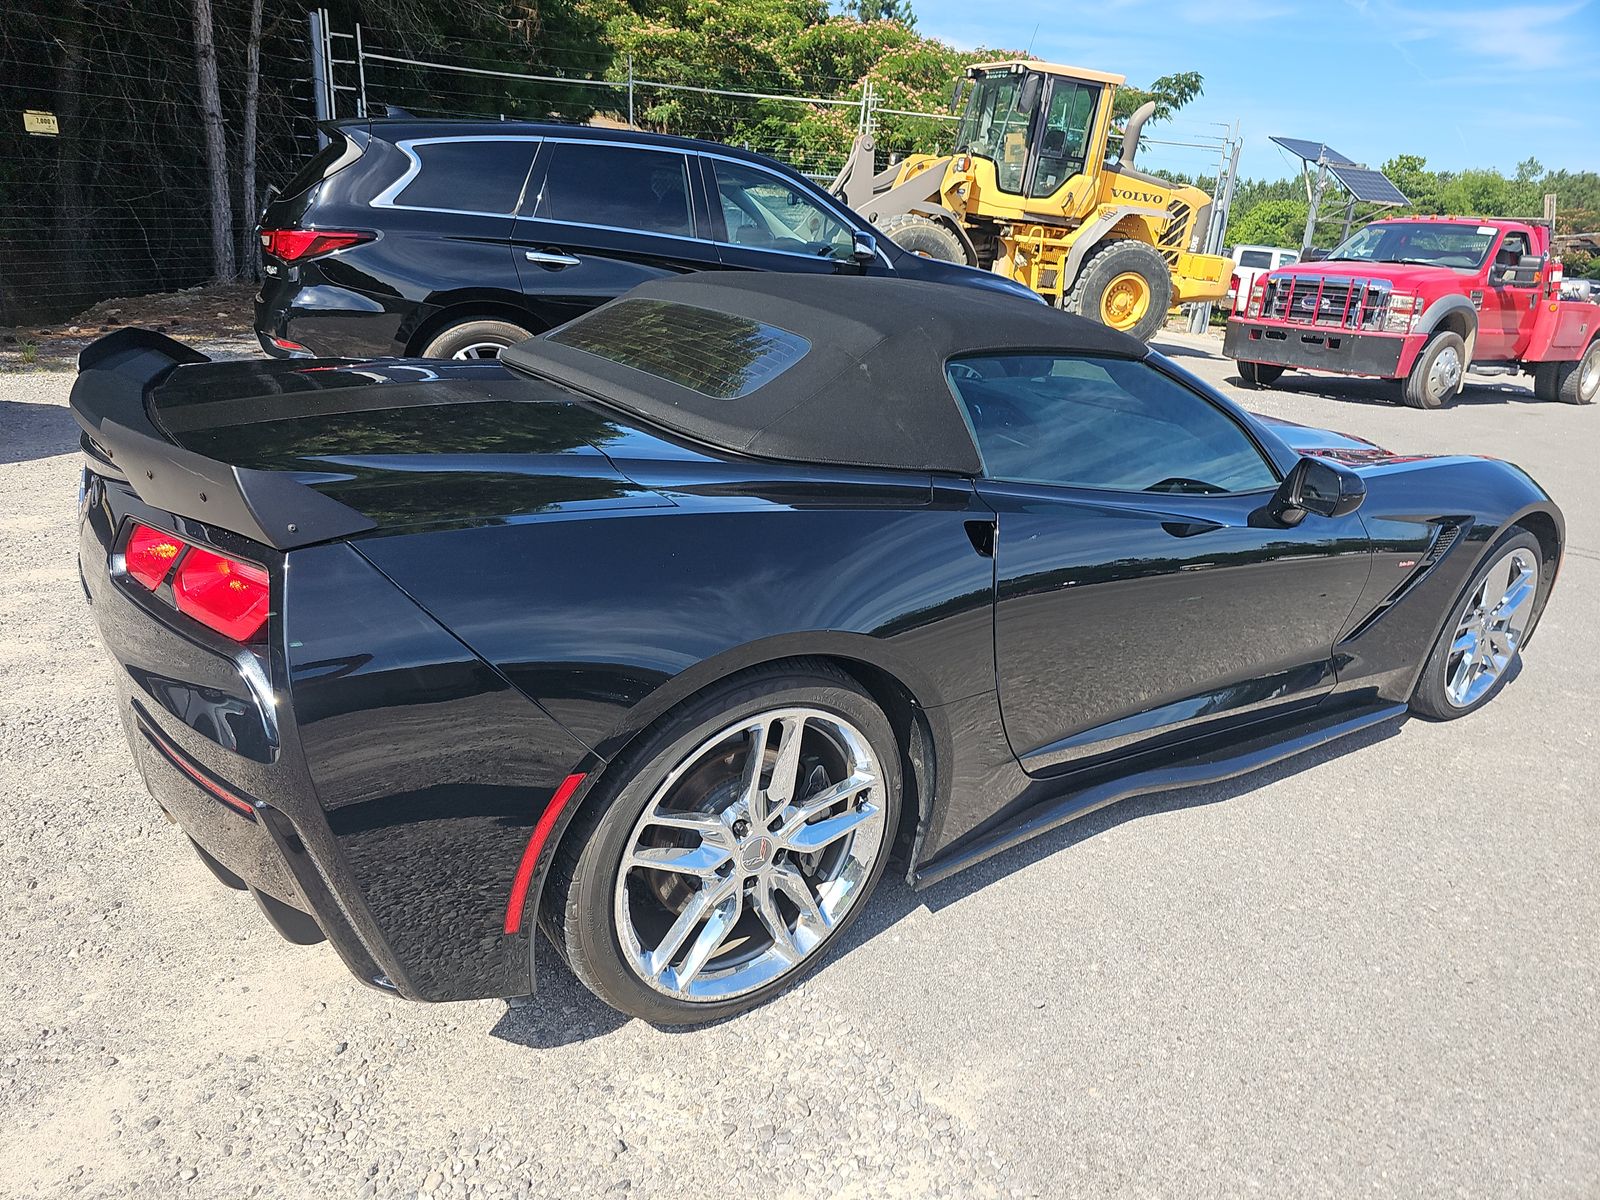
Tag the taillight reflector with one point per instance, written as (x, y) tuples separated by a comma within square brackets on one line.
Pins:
[(530, 854), (149, 555), (292, 245), (224, 594)]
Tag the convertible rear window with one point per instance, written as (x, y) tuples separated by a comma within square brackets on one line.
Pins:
[(718, 354)]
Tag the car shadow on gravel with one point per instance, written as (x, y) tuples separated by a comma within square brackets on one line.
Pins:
[(565, 1012), (1385, 392), (30, 431)]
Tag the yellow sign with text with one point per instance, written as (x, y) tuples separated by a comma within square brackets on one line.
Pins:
[(41, 123)]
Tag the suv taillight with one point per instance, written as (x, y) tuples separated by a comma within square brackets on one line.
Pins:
[(225, 594), (293, 245)]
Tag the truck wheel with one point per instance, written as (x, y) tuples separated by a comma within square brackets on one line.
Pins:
[(1437, 372), (925, 238), (1547, 382), (1123, 284), (1575, 382), (1260, 375)]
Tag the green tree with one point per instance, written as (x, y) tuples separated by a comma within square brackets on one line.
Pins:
[(879, 10), (1268, 223)]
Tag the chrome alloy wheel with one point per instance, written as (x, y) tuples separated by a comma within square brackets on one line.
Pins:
[(1589, 376), (480, 350), (1444, 373), (749, 854), (1491, 627)]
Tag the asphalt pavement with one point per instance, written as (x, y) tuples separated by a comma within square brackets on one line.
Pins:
[(1368, 971)]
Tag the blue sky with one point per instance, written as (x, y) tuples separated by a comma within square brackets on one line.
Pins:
[(1465, 84)]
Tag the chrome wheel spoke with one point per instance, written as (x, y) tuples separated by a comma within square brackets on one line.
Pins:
[(1518, 593), (724, 916), (809, 838), (672, 941), (789, 881), (786, 771), (707, 825), (755, 799), (704, 860), (766, 906)]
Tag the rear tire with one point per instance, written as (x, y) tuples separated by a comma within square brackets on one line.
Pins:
[(1437, 372), (1123, 284), (614, 919), (1260, 375), (925, 238), (479, 338), (1573, 382)]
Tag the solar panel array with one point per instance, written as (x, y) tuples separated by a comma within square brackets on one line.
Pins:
[(1371, 186), (1312, 151)]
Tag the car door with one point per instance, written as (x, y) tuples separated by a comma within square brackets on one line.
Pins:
[(1507, 307), (1141, 597), (601, 217), (446, 221), (764, 221)]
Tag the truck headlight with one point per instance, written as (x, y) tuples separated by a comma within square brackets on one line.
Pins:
[(1402, 311)]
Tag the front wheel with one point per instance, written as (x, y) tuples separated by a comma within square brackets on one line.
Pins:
[(483, 338), (1124, 284), (1472, 659), (1259, 375), (926, 238), (1437, 373), (737, 842)]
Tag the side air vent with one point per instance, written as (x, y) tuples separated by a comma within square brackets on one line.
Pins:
[(1445, 538)]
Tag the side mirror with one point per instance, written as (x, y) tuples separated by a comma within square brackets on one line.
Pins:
[(1524, 272), (863, 247), (1028, 97), (1314, 485), (957, 94)]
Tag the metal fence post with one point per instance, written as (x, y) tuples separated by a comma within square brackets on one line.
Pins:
[(319, 77), (361, 76), (631, 124)]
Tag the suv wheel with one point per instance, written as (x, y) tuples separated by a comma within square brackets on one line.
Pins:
[(475, 339), (1437, 372)]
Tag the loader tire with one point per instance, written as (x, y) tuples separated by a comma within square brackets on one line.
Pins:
[(925, 238), (1124, 284)]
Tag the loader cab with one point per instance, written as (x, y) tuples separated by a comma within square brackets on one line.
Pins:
[(1039, 127)]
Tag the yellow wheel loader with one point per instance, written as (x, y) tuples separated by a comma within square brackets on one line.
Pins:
[(1030, 193)]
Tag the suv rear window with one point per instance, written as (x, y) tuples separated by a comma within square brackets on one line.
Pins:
[(717, 354), (623, 187), (484, 176), (1256, 258)]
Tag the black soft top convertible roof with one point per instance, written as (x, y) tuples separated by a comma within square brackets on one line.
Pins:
[(829, 369)]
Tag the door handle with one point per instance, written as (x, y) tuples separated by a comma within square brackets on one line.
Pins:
[(551, 258)]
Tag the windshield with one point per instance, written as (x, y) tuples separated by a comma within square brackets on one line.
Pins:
[(994, 128), (1427, 243)]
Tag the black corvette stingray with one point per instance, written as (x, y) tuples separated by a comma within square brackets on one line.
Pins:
[(669, 630)]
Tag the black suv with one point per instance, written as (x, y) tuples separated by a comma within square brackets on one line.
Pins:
[(452, 239)]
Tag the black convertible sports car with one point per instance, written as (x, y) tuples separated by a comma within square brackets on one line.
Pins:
[(668, 629)]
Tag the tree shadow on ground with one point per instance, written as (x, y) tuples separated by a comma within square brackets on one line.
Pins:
[(565, 1012), (30, 431)]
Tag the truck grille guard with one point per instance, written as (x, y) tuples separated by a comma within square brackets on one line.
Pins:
[(1329, 302)]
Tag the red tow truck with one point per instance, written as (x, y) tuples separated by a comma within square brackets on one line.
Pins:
[(1420, 299)]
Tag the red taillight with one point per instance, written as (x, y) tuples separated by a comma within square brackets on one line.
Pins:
[(224, 594), (149, 555), (292, 245)]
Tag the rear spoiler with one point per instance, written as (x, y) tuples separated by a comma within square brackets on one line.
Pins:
[(115, 373)]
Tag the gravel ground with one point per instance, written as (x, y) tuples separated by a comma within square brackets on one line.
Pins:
[(1371, 970)]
